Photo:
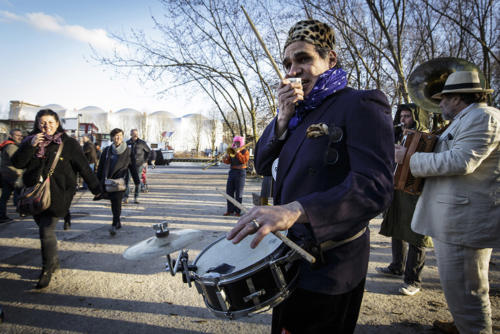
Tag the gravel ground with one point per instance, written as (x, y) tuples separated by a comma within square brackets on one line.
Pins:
[(98, 291)]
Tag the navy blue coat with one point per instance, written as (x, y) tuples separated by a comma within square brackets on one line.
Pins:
[(339, 198)]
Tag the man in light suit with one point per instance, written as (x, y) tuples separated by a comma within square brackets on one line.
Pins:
[(335, 146), (460, 205)]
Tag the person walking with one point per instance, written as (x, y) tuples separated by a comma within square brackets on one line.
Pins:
[(139, 153), (36, 155), (114, 164), (11, 177), (90, 153)]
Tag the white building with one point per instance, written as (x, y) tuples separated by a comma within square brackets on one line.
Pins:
[(160, 127)]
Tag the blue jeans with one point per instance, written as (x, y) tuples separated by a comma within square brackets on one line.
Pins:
[(234, 188), (7, 189)]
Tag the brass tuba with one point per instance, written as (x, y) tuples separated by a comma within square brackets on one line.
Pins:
[(429, 78)]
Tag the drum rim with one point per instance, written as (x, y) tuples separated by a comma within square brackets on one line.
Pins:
[(259, 264), (247, 271)]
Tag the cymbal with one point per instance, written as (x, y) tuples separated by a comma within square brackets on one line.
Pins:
[(155, 246)]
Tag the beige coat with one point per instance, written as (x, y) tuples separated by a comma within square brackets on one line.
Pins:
[(460, 202)]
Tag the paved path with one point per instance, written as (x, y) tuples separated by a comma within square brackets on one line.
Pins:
[(98, 291)]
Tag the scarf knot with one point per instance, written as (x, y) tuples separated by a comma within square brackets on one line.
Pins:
[(47, 139)]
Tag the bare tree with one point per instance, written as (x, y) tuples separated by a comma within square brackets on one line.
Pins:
[(207, 46)]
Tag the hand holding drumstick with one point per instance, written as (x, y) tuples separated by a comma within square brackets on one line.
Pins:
[(273, 219)]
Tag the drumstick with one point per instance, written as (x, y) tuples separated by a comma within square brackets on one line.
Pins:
[(268, 54), (280, 236)]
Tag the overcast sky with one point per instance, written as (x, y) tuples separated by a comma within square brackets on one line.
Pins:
[(46, 56)]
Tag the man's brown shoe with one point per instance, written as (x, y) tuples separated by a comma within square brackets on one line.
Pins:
[(446, 327)]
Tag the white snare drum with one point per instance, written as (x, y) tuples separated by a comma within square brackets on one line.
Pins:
[(236, 280)]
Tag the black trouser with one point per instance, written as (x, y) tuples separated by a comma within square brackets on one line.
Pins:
[(234, 188), (310, 312), (7, 189), (409, 259), (116, 206), (128, 176), (47, 225)]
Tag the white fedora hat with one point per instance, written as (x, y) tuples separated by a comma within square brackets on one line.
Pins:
[(462, 82)]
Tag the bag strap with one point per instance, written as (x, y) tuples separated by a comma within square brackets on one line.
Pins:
[(56, 159), (107, 163)]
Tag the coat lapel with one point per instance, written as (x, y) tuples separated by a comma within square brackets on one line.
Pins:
[(295, 141)]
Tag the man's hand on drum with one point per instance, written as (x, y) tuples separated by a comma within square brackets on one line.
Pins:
[(289, 93), (262, 220)]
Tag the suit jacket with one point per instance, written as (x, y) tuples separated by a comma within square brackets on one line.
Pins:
[(460, 201), (339, 197)]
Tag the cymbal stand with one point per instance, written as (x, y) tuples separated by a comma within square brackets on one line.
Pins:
[(181, 264)]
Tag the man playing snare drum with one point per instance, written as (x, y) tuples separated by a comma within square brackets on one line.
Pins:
[(336, 152)]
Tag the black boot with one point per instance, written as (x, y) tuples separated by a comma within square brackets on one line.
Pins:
[(44, 280), (67, 225), (67, 222), (46, 275)]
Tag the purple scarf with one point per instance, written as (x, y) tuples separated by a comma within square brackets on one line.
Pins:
[(327, 84), (56, 138)]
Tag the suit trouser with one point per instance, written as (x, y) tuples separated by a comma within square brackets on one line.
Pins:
[(409, 258), (308, 312), (47, 225), (464, 277)]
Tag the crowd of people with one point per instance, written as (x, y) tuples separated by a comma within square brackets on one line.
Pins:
[(47, 151), (330, 183), (330, 153)]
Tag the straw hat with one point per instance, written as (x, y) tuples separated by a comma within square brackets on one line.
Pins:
[(462, 82)]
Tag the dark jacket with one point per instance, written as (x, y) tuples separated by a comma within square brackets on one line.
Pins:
[(139, 151), (8, 172), (90, 152), (119, 169), (63, 181), (339, 196)]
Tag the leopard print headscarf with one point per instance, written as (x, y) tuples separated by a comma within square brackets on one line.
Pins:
[(315, 32)]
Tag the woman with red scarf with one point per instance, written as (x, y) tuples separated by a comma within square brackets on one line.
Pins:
[(35, 155)]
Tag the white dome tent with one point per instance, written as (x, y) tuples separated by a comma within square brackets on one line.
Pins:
[(99, 117), (158, 123), (128, 119)]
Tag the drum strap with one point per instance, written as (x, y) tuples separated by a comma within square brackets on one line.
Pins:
[(330, 244)]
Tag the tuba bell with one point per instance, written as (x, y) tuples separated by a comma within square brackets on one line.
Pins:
[(429, 78)]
